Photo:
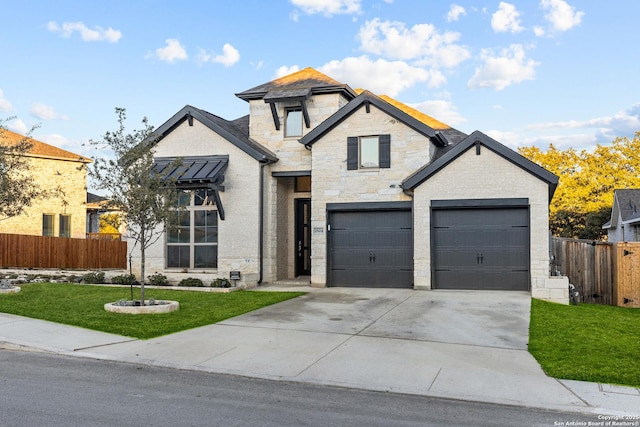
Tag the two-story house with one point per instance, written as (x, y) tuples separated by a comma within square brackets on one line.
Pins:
[(331, 186), (65, 175)]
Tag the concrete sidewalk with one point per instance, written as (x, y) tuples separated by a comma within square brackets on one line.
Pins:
[(460, 345)]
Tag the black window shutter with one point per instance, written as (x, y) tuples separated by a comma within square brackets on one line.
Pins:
[(352, 152), (385, 151)]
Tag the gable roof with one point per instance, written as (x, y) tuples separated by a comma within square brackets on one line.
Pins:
[(626, 207), (40, 149), (236, 132), (298, 85), (406, 115), (479, 138)]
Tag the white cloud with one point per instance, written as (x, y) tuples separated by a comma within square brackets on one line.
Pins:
[(45, 112), (539, 31), (380, 76), (561, 15), (229, 57), (455, 11), (18, 126), (499, 71), (5, 105), (422, 42), (328, 7), (284, 70), (442, 110), (622, 123), (172, 52), (87, 34), (506, 18)]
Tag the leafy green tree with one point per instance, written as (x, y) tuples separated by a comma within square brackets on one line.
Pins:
[(18, 187), (145, 199), (583, 199)]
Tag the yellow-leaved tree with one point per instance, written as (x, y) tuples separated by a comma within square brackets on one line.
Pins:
[(587, 179)]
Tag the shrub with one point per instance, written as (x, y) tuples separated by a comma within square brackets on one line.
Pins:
[(158, 279), (221, 283), (73, 278), (191, 281), (124, 279), (94, 277)]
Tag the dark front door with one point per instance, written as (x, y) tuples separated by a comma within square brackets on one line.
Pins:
[(303, 237)]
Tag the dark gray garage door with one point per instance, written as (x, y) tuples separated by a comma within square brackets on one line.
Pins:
[(481, 248), (370, 249)]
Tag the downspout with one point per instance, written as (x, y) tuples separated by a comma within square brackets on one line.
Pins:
[(261, 225)]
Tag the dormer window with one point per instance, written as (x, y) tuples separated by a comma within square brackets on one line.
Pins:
[(293, 122)]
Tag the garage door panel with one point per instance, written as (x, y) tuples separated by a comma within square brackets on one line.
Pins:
[(371, 249), (481, 248)]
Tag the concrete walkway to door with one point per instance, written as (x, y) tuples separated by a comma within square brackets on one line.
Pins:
[(453, 344)]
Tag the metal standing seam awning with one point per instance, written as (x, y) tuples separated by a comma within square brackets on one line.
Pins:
[(196, 172)]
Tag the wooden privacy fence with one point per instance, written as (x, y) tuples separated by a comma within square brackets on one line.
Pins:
[(604, 273), (22, 251)]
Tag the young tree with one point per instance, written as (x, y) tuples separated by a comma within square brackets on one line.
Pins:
[(145, 198), (18, 188)]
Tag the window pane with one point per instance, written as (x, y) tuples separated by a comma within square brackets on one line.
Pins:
[(204, 197), (206, 227), (369, 152), (206, 257), (47, 225), (65, 226), (178, 256), (293, 122), (303, 184), (184, 197)]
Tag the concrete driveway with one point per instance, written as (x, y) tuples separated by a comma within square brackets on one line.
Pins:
[(480, 318)]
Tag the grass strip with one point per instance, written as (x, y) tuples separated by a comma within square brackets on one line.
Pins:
[(588, 342), (83, 306)]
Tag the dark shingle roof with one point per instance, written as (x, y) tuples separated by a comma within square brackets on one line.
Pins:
[(297, 85), (628, 203)]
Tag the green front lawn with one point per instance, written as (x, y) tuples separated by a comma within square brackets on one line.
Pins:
[(83, 305), (588, 342)]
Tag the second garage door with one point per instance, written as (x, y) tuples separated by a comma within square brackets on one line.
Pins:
[(481, 248), (370, 248)]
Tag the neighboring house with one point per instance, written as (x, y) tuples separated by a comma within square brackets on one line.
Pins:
[(59, 216), (624, 225), (337, 187)]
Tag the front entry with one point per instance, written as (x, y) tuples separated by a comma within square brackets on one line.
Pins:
[(303, 237)]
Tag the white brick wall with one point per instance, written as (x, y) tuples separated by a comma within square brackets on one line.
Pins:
[(482, 177), (238, 233)]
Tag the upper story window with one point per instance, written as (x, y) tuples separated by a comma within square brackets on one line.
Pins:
[(293, 122), (369, 152)]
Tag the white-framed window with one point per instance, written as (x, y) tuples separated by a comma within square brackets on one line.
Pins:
[(192, 236), (293, 122), (369, 152)]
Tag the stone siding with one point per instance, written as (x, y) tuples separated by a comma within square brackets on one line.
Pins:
[(333, 183), (71, 178)]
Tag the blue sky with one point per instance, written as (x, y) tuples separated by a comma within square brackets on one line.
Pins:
[(525, 72)]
